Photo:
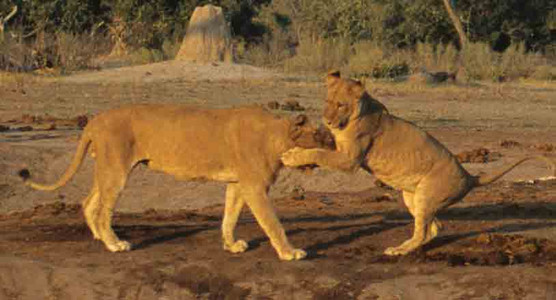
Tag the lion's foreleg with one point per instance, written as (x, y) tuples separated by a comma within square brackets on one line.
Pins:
[(324, 158), (234, 203), (263, 210)]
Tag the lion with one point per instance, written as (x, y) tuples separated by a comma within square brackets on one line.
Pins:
[(239, 146), (397, 152)]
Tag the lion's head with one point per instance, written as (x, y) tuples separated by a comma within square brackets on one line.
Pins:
[(347, 101), (305, 135)]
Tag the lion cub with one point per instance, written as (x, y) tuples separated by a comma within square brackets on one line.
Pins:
[(397, 152), (240, 146)]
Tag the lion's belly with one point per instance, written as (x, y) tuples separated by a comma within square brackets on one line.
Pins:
[(196, 171), (401, 170)]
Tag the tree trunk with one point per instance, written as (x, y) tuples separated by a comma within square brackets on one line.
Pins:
[(457, 24), (3, 21)]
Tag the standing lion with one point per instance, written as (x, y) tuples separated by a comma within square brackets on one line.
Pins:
[(240, 146)]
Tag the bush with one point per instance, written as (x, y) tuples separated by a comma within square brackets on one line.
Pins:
[(368, 59), (435, 57), (320, 55), (64, 51), (15, 55), (77, 52), (480, 62), (271, 52), (145, 55)]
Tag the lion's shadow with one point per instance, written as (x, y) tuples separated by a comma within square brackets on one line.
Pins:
[(361, 229)]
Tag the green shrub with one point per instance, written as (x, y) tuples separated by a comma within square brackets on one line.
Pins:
[(145, 55)]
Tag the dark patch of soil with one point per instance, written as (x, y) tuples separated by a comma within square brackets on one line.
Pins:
[(289, 105), (205, 282), (44, 122), (178, 253), (510, 144), (489, 249), (479, 155), (545, 147)]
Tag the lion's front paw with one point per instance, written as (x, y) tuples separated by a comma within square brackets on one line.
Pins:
[(395, 251), (295, 157), (238, 247), (294, 254), (119, 246)]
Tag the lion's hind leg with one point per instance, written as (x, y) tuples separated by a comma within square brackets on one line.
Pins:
[(426, 225), (91, 210), (435, 226), (111, 180), (234, 203)]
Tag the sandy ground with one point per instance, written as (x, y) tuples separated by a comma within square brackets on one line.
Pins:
[(499, 243)]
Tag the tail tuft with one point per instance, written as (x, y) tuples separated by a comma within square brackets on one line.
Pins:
[(24, 174)]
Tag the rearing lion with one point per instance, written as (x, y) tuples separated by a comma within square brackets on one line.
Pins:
[(239, 146), (397, 152)]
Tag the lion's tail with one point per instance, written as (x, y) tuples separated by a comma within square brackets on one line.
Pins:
[(82, 148), (487, 179)]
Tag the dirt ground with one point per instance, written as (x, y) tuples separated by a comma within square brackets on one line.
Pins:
[(499, 243)]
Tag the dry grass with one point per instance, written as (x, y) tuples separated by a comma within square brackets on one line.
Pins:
[(19, 80), (478, 62), (272, 52), (62, 51), (68, 53), (319, 55)]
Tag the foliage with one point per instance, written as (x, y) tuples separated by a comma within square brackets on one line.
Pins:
[(501, 22), (401, 35), (400, 23)]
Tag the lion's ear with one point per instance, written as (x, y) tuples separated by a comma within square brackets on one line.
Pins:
[(332, 77), (296, 124), (300, 120), (334, 73)]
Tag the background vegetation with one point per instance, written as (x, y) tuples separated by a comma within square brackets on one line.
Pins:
[(380, 38)]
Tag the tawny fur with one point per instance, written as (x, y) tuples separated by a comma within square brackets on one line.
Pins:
[(239, 146), (397, 152)]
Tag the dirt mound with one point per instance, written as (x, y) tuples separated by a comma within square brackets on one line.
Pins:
[(208, 37), (479, 155)]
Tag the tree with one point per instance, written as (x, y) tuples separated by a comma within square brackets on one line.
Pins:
[(456, 22), (4, 20)]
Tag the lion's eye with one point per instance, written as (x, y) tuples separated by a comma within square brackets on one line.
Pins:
[(341, 105)]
